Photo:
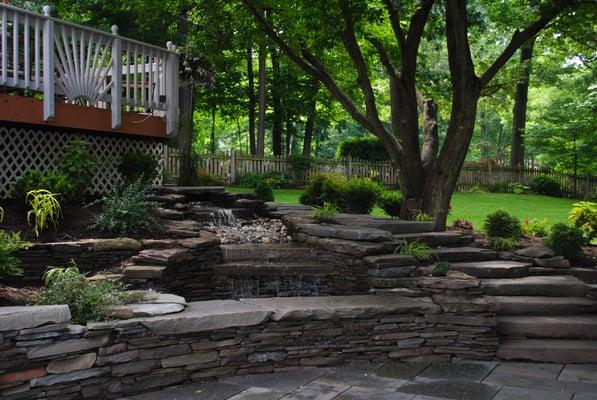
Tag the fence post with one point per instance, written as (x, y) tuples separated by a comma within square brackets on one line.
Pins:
[(349, 172), (232, 166), (116, 78), (48, 54)]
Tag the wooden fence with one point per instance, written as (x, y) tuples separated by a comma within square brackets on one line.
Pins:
[(233, 166)]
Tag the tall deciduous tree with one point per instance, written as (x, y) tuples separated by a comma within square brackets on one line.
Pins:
[(427, 175), (521, 97)]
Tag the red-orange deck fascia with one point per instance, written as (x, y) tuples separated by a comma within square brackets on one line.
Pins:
[(27, 110)]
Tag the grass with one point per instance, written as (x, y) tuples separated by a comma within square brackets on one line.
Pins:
[(474, 206)]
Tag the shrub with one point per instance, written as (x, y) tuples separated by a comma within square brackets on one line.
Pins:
[(45, 208), (584, 216), (364, 148), (78, 166), (414, 249), (391, 203), (274, 178), (546, 185), (323, 214), (86, 300), (360, 195), (264, 191), (204, 178), (138, 166), (501, 224), (498, 187), (503, 243), (535, 227), (441, 268), (592, 196), (54, 182), (324, 188), (518, 188), (125, 211), (10, 266), (299, 167), (566, 240)]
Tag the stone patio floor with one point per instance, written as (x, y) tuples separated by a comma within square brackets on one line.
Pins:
[(401, 381)]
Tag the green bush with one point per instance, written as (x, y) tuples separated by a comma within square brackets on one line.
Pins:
[(566, 240), (584, 216), (546, 185), (78, 166), (501, 224), (441, 268), (325, 213), (125, 211), (324, 188), (54, 182), (518, 188), (86, 300), (264, 191), (360, 195), (204, 178), (363, 148), (275, 179), (10, 266), (498, 187), (503, 243), (138, 166), (535, 227), (299, 167), (391, 203)]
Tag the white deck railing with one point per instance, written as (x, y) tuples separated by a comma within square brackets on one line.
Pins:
[(77, 64)]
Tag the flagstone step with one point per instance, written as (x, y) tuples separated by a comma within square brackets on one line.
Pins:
[(143, 272), (267, 252), (493, 269), (542, 305), (549, 350), (553, 286), (463, 254), (588, 275), (436, 239), (557, 326)]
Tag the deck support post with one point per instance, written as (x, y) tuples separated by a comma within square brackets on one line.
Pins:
[(116, 89), (172, 90), (48, 64)]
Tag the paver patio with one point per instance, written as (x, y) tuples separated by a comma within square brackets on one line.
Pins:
[(401, 381)]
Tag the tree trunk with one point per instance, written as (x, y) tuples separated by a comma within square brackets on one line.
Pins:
[(289, 136), (311, 115), (185, 136), (251, 90), (260, 148), (212, 139), (484, 136), (278, 117), (499, 154), (520, 106)]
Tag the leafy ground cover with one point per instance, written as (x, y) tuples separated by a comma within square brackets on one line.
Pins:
[(474, 206)]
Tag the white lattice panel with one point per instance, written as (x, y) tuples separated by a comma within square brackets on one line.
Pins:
[(24, 149)]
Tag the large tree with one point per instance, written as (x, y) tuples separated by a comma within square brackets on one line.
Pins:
[(427, 171)]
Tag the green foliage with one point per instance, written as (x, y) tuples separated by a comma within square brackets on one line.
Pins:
[(422, 217), (566, 240), (503, 243), (86, 299), (498, 187), (264, 191), (546, 185), (204, 178), (501, 224), (10, 266), (535, 227), (415, 249), (584, 216), (54, 182), (325, 213), (45, 208), (125, 211), (274, 178), (360, 195), (78, 166), (364, 148), (391, 203), (324, 188), (138, 166), (299, 167), (441, 268), (519, 188), (592, 196)]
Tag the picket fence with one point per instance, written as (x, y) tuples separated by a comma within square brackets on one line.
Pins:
[(233, 166)]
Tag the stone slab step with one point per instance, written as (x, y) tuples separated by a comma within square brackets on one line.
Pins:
[(105, 277), (143, 272), (267, 252), (392, 225), (588, 275), (166, 256), (542, 305), (436, 239), (493, 269), (357, 233), (464, 254), (592, 290), (554, 286), (549, 350), (289, 268), (557, 326)]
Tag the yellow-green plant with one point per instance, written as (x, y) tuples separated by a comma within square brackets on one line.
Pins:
[(584, 216), (422, 217), (323, 214), (45, 209), (1, 214), (416, 249)]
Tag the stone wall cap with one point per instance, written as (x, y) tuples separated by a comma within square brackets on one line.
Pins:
[(22, 317)]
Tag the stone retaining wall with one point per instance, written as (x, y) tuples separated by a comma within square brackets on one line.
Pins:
[(42, 356)]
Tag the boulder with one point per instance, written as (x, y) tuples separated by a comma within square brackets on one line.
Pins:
[(535, 252), (552, 262)]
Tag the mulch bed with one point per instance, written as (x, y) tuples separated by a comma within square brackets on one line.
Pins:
[(12, 296)]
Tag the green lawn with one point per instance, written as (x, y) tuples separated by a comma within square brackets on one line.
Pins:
[(474, 206)]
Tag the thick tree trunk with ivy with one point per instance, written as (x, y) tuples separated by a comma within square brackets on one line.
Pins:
[(428, 172), (185, 136)]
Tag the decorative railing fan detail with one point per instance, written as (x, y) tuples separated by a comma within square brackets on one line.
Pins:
[(86, 66)]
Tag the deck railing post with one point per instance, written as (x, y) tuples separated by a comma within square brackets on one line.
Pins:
[(116, 78), (48, 68), (172, 90)]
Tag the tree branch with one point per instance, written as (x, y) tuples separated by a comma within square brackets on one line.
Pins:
[(384, 57), (519, 37), (395, 22), (413, 39)]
